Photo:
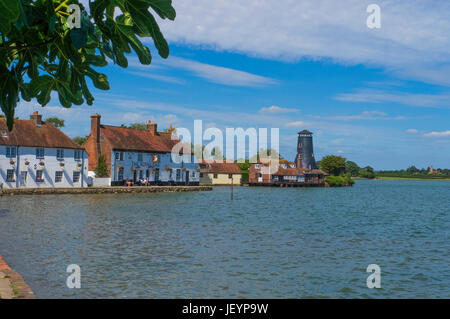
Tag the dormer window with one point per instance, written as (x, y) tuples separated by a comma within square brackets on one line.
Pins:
[(4, 134), (283, 166), (257, 166)]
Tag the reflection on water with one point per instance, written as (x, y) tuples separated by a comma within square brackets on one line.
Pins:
[(267, 243)]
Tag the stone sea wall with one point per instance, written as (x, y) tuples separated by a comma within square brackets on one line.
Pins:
[(103, 190), (12, 285)]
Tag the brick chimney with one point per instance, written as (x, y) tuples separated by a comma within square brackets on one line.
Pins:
[(95, 133), (36, 117), (152, 127), (95, 127)]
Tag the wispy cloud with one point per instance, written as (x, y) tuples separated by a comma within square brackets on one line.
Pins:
[(411, 99), (158, 77), (412, 131), (294, 124), (366, 115), (438, 134), (219, 74), (277, 110)]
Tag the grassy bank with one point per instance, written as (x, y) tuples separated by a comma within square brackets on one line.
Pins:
[(395, 178)]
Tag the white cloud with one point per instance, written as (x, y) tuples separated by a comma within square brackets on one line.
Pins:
[(295, 124), (412, 99), (366, 115), (158, 77), (412, 131), (413, 41), (219, 74), (437, 134), (277, 110)]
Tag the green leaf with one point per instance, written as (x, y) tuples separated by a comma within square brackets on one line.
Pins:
[(8, 94), (127, 31), (79, 38), (163, 8), (42, 87), (100, 80), (9, 13), (145, 25)]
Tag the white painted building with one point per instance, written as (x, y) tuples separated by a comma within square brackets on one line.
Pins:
[(136, 155), (37, 154)]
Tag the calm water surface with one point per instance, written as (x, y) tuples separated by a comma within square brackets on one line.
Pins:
[(267, 243)]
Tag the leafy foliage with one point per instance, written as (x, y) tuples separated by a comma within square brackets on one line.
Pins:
[(102, 169), (136, 126), (352, 168), (56, 122), (333, 165), (40, 53), (80, 140), (337, 181)]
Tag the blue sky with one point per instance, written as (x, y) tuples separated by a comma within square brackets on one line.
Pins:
[(380, 97)]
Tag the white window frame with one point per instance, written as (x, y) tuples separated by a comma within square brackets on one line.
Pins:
[(11, 152), (39, 151), (60, 154), (73, 176), (56, 175), (11, 178), (77, 155), (42, 176)]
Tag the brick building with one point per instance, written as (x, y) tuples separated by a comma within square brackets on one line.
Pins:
[(135, 155)]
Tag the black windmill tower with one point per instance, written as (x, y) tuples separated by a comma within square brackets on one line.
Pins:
[(305, 151)]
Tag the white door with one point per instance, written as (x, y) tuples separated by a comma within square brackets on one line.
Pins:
[(23, 179)]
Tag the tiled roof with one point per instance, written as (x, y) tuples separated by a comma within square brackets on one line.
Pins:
[(27, 133), (128, 139), (220, 168), (290, 171)]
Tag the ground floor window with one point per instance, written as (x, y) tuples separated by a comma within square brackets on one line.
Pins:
[(120, 175), (178, 174), (141, 174), (147, 174), (76, 177), (215, 175), (157, 174), (201, 175), (58, 176), (230, 176), (39, 177), (10, 175)]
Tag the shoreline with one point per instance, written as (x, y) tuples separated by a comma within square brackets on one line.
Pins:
[(103, 190), (411, 179), (12, 285)]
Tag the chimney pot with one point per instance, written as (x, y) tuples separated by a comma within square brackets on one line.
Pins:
[(152, 127), (36, 117)]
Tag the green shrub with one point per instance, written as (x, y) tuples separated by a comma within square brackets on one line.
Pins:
[(102, 169), (337, 181)]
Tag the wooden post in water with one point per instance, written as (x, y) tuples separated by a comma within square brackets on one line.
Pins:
[(231, 187)]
